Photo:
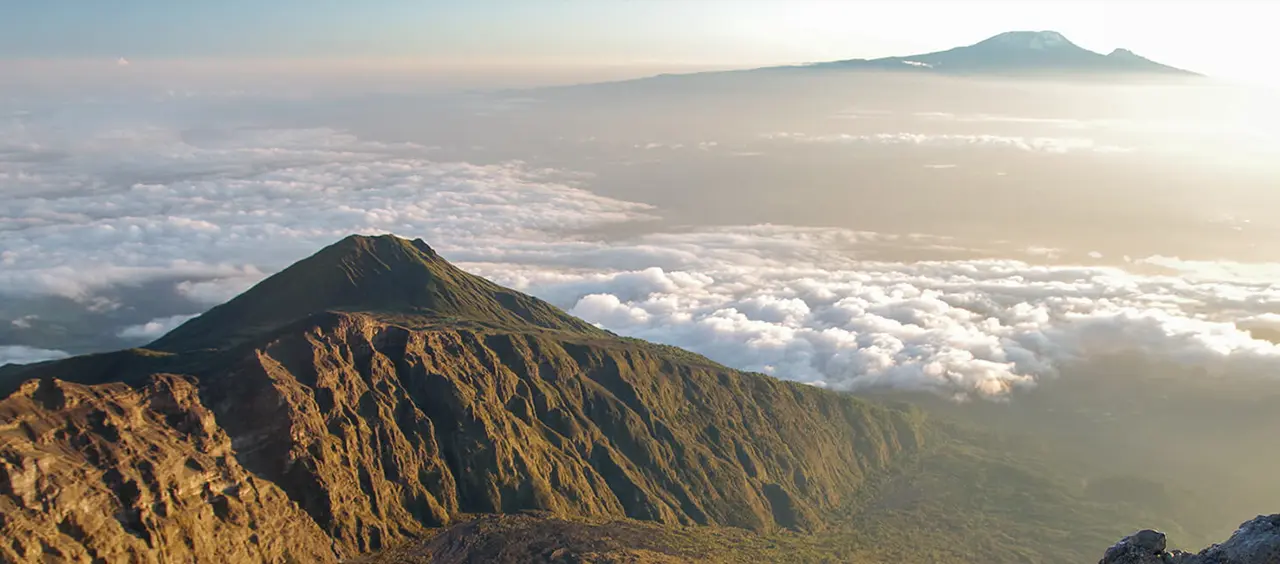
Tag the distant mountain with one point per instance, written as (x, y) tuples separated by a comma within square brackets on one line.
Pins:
[(1017, 53)]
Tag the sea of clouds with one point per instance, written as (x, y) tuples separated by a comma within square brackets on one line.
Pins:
[(208, 212), (1055, 145)]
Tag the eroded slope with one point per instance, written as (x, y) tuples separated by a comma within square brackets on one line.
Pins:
[(379, 431), (113, 474)]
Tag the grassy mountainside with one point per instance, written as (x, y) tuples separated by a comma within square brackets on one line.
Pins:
[(388, 275), (1191, 446)]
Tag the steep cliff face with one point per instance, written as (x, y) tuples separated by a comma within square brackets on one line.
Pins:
[(377, 431), (113, 474), (355, 429)]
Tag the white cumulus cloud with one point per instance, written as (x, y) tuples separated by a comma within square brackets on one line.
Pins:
[(974, 327)]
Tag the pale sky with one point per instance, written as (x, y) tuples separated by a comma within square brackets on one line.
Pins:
[(1225, 38)]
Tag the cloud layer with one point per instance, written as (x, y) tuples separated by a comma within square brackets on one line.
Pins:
[(1055, 145), (976, 327), (13, 354), (208, 212), (216, 211)]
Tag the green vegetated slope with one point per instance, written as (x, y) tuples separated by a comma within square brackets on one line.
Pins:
[(387, 275), (1191, 446), (973, 497)]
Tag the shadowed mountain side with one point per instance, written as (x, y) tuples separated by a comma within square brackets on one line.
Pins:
[(419, 392)]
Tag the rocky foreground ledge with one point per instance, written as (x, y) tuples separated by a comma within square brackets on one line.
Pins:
[(1255, 542)]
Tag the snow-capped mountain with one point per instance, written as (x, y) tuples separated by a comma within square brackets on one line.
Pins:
[(1016, 52)]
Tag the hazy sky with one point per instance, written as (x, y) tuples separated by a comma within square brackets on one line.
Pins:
[(1228, 38)]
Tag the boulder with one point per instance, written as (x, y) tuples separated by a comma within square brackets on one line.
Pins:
[(1143, 547)]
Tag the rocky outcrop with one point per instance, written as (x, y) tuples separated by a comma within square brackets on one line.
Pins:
[(1255, 542), (1143, 547), (342, 432), (113, 474)]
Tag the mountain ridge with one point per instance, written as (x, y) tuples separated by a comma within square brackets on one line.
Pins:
[(1019, 62), (377, 430)]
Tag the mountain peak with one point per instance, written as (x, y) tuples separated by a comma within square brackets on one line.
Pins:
[(388, 246), (1127, 55), (1031, 39), (1127, 59), (386, 276)]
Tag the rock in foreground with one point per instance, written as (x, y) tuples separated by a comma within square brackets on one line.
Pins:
[(1255, 542)]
